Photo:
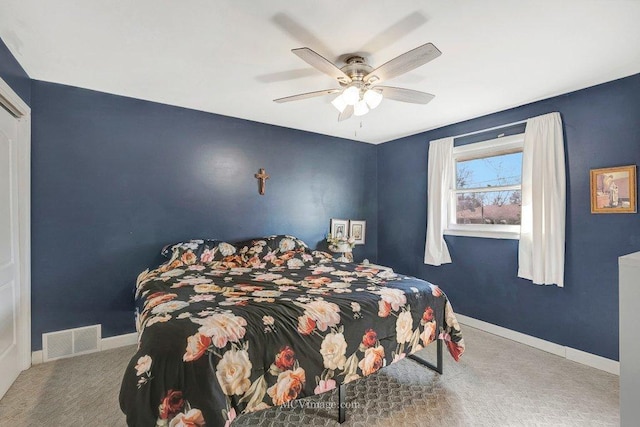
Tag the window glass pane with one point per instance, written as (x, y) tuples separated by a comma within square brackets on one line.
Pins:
[(493, 171), (489, 207)]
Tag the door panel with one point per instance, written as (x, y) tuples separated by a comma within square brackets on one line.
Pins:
[(7, 318), (9, 268), (6, 172)]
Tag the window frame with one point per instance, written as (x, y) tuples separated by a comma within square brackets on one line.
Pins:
[(488, 148)]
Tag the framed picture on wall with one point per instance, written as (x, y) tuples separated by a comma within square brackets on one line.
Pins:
[(613, 190), (339, 227), (357, 230)]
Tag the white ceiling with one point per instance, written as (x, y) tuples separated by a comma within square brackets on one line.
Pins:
[(233, 57)]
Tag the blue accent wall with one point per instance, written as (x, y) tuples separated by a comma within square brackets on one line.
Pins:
[(601, 128), (13, 74), (114, 179)]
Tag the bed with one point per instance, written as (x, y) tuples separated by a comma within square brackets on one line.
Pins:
[(226, 329)]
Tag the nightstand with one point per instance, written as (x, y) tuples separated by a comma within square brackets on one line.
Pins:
[(345, 250)]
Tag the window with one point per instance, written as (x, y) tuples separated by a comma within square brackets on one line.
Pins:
[(485, 195)]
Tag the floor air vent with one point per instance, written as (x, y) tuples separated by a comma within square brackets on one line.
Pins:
[(70, 342)]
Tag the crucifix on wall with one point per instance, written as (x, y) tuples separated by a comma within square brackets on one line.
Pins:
[(262, 180)]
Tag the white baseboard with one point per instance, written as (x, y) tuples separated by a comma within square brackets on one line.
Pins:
[(569, 353), (593, 360), (105, 344), (119, 341)]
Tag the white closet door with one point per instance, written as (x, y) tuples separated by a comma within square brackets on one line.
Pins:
[(9, 254)]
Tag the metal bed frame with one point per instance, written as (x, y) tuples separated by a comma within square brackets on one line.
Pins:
[(342, 390)]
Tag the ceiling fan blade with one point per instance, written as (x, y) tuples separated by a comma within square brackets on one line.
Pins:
[(346, 113), (321, 63), (403, 63), (307, 95), (405, 95)]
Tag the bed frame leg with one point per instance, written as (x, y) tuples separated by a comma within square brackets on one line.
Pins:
[(342, 393), (438, 366)]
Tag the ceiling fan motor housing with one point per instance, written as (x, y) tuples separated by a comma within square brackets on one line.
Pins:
[(356, 69)]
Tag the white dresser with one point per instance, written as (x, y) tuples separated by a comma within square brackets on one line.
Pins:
[(629, 291)]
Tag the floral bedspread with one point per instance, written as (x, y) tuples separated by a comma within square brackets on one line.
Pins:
[(225, 329)]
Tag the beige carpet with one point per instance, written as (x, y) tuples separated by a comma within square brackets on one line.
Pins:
[(497, 383)]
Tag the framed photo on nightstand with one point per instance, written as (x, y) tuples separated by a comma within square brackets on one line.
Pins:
[(339, 227), (357, 230)]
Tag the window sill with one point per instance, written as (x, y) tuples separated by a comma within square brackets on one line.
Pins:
[(487, 234)]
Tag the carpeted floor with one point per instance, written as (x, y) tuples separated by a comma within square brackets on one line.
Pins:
[(497, 383)]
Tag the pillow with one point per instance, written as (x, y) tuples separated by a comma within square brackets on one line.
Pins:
[(284, 243), (272, 251), (198, 251)]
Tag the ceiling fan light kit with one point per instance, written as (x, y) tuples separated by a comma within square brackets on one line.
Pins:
[(351, 94), (360, 109), (358, 94), (339, 103), (373, 98), (362, 99)]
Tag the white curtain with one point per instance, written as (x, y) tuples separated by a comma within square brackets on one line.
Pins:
[(541, 248), (439, 178)]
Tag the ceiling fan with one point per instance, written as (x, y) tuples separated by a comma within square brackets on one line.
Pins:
[(359, 91)]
